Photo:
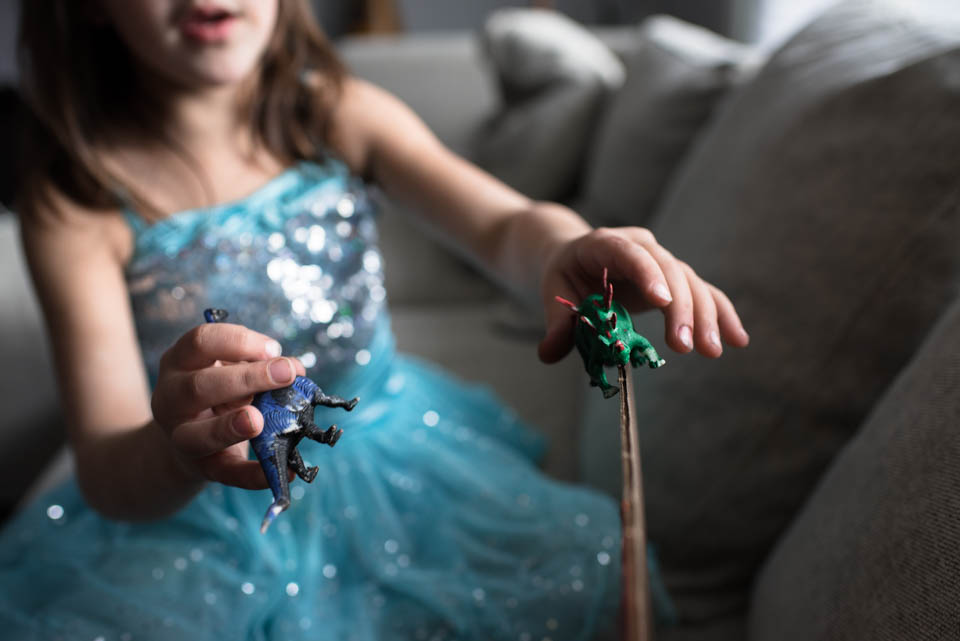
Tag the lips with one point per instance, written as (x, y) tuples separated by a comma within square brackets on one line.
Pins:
[(208, 24)]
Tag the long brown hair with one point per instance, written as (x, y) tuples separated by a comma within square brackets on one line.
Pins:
[(78, 80)]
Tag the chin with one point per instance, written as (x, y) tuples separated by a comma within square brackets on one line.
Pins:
[(220, 71)]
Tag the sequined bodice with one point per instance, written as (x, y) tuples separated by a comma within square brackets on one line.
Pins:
[(296, 260)]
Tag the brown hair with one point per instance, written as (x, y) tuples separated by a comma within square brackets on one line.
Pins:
[(79, 81)]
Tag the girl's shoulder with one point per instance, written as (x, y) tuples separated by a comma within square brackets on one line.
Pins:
[(365, 115), (54, 227)]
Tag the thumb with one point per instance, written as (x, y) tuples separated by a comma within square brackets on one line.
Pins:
[(558, 340)]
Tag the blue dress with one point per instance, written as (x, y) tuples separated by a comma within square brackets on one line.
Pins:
[(427, 521)]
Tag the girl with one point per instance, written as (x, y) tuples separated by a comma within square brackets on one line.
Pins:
[(214, 153)]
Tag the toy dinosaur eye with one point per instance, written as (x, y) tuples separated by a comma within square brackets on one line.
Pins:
[(613, 319)]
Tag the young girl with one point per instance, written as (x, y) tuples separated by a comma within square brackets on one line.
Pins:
[(213, 153)]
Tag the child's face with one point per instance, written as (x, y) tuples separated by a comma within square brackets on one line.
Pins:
[(195, 43)]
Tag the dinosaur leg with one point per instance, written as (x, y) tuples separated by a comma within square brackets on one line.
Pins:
[(296, 462), (598, 378), (330, 436), (643, 352), (319, 398)]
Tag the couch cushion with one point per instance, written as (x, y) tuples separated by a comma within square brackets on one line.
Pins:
[(554, 76), (676, 75), (31, 425), (824, 200), (874, 553)]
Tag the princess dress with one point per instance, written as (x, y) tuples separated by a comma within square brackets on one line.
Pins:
[(427, 521)]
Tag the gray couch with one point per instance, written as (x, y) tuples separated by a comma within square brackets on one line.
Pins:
[(808, 486)]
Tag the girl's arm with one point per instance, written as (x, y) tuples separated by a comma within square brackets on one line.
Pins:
[(129, 463), (542, 249)]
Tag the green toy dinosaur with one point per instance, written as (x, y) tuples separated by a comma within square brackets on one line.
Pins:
[(604, 336)]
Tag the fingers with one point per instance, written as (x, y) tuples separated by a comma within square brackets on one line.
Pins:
[(205, 344), (205, 436), (705, 334), (698, 316), (231, 467), (633, 255), (731, 328), (183, 395)]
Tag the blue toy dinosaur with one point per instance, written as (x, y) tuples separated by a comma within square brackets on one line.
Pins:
[(287, 419)]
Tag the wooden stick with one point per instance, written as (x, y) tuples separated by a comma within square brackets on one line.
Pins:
[(637, 613)]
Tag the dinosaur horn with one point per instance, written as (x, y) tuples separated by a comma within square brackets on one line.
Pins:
[(565, 302), (607, 291)]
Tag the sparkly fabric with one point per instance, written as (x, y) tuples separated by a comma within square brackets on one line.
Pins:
[(427, 521)]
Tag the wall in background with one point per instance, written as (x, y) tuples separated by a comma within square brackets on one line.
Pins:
[(9, 17)]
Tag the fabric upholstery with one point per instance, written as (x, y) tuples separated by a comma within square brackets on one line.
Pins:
[(874, 555), (824, 200), (554, 76), (676, 76)]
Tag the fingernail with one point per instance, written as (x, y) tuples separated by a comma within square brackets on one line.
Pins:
[(281, 370), (660, 291), (273, 349), (242, 424), (686, 336), (714, 338)]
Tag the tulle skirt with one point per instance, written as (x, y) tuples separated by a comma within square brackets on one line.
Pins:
[(427, 521)]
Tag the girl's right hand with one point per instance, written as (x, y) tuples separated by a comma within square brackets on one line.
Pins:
[(205, 385)]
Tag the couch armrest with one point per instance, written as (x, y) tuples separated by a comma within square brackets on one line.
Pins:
[(873, 554)]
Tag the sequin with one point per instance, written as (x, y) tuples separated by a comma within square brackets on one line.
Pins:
[(292, 589), (319, 289), (391, 546), (329, 570), (248, 588), (55, 512), (431, 418), (196, 555), (297, 492), (603, 558)]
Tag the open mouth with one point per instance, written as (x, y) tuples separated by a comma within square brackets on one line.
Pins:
[(208, 24)]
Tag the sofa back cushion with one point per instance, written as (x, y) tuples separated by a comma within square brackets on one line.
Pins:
[(824, 200), (554, 78), (677, 73), (873, 554)]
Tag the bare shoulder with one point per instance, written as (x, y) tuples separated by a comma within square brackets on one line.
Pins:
[(366, 119), (57, 229)]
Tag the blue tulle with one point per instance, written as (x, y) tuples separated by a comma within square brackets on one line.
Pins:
[(428, 520)]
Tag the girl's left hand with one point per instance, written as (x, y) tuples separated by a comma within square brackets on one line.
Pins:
[(645, 276)]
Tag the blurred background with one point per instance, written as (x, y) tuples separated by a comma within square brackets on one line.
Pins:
[(755, 21)]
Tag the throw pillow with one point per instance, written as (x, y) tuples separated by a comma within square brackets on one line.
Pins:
[(676, 76), (554, 76), (823, 199)]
